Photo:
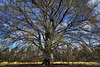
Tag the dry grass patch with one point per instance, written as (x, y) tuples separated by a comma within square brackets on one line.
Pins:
[(70, 63), (78, 63)]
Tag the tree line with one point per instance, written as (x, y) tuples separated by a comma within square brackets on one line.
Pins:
[(64, 54)]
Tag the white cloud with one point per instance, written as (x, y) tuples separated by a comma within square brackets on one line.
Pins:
[(62, 26), (88, 27), (93, 2)]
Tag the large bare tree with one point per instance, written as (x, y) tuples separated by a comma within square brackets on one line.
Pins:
[(47, 24)]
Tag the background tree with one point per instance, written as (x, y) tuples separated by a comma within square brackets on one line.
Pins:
[(47, 24)]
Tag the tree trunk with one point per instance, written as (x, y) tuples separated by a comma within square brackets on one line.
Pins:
[(46, 60)]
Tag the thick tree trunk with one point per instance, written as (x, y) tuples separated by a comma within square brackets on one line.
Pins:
[(47, 56), (46, 61)]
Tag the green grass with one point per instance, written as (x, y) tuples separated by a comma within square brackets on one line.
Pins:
[(22, 64)]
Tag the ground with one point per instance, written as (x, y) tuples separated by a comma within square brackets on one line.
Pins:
[(54, 64), (48, 66)]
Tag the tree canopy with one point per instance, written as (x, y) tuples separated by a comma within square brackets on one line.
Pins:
[(49, 24)]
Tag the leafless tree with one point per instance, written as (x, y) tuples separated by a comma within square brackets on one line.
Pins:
[(47, 24)]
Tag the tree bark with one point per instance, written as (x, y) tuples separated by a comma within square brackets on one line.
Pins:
[(46, 60)]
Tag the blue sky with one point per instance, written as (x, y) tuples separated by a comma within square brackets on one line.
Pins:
[(65, 20)]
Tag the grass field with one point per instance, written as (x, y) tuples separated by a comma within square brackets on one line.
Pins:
[(7, 64)]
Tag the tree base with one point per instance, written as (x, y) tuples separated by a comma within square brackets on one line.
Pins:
[(46, 62)]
